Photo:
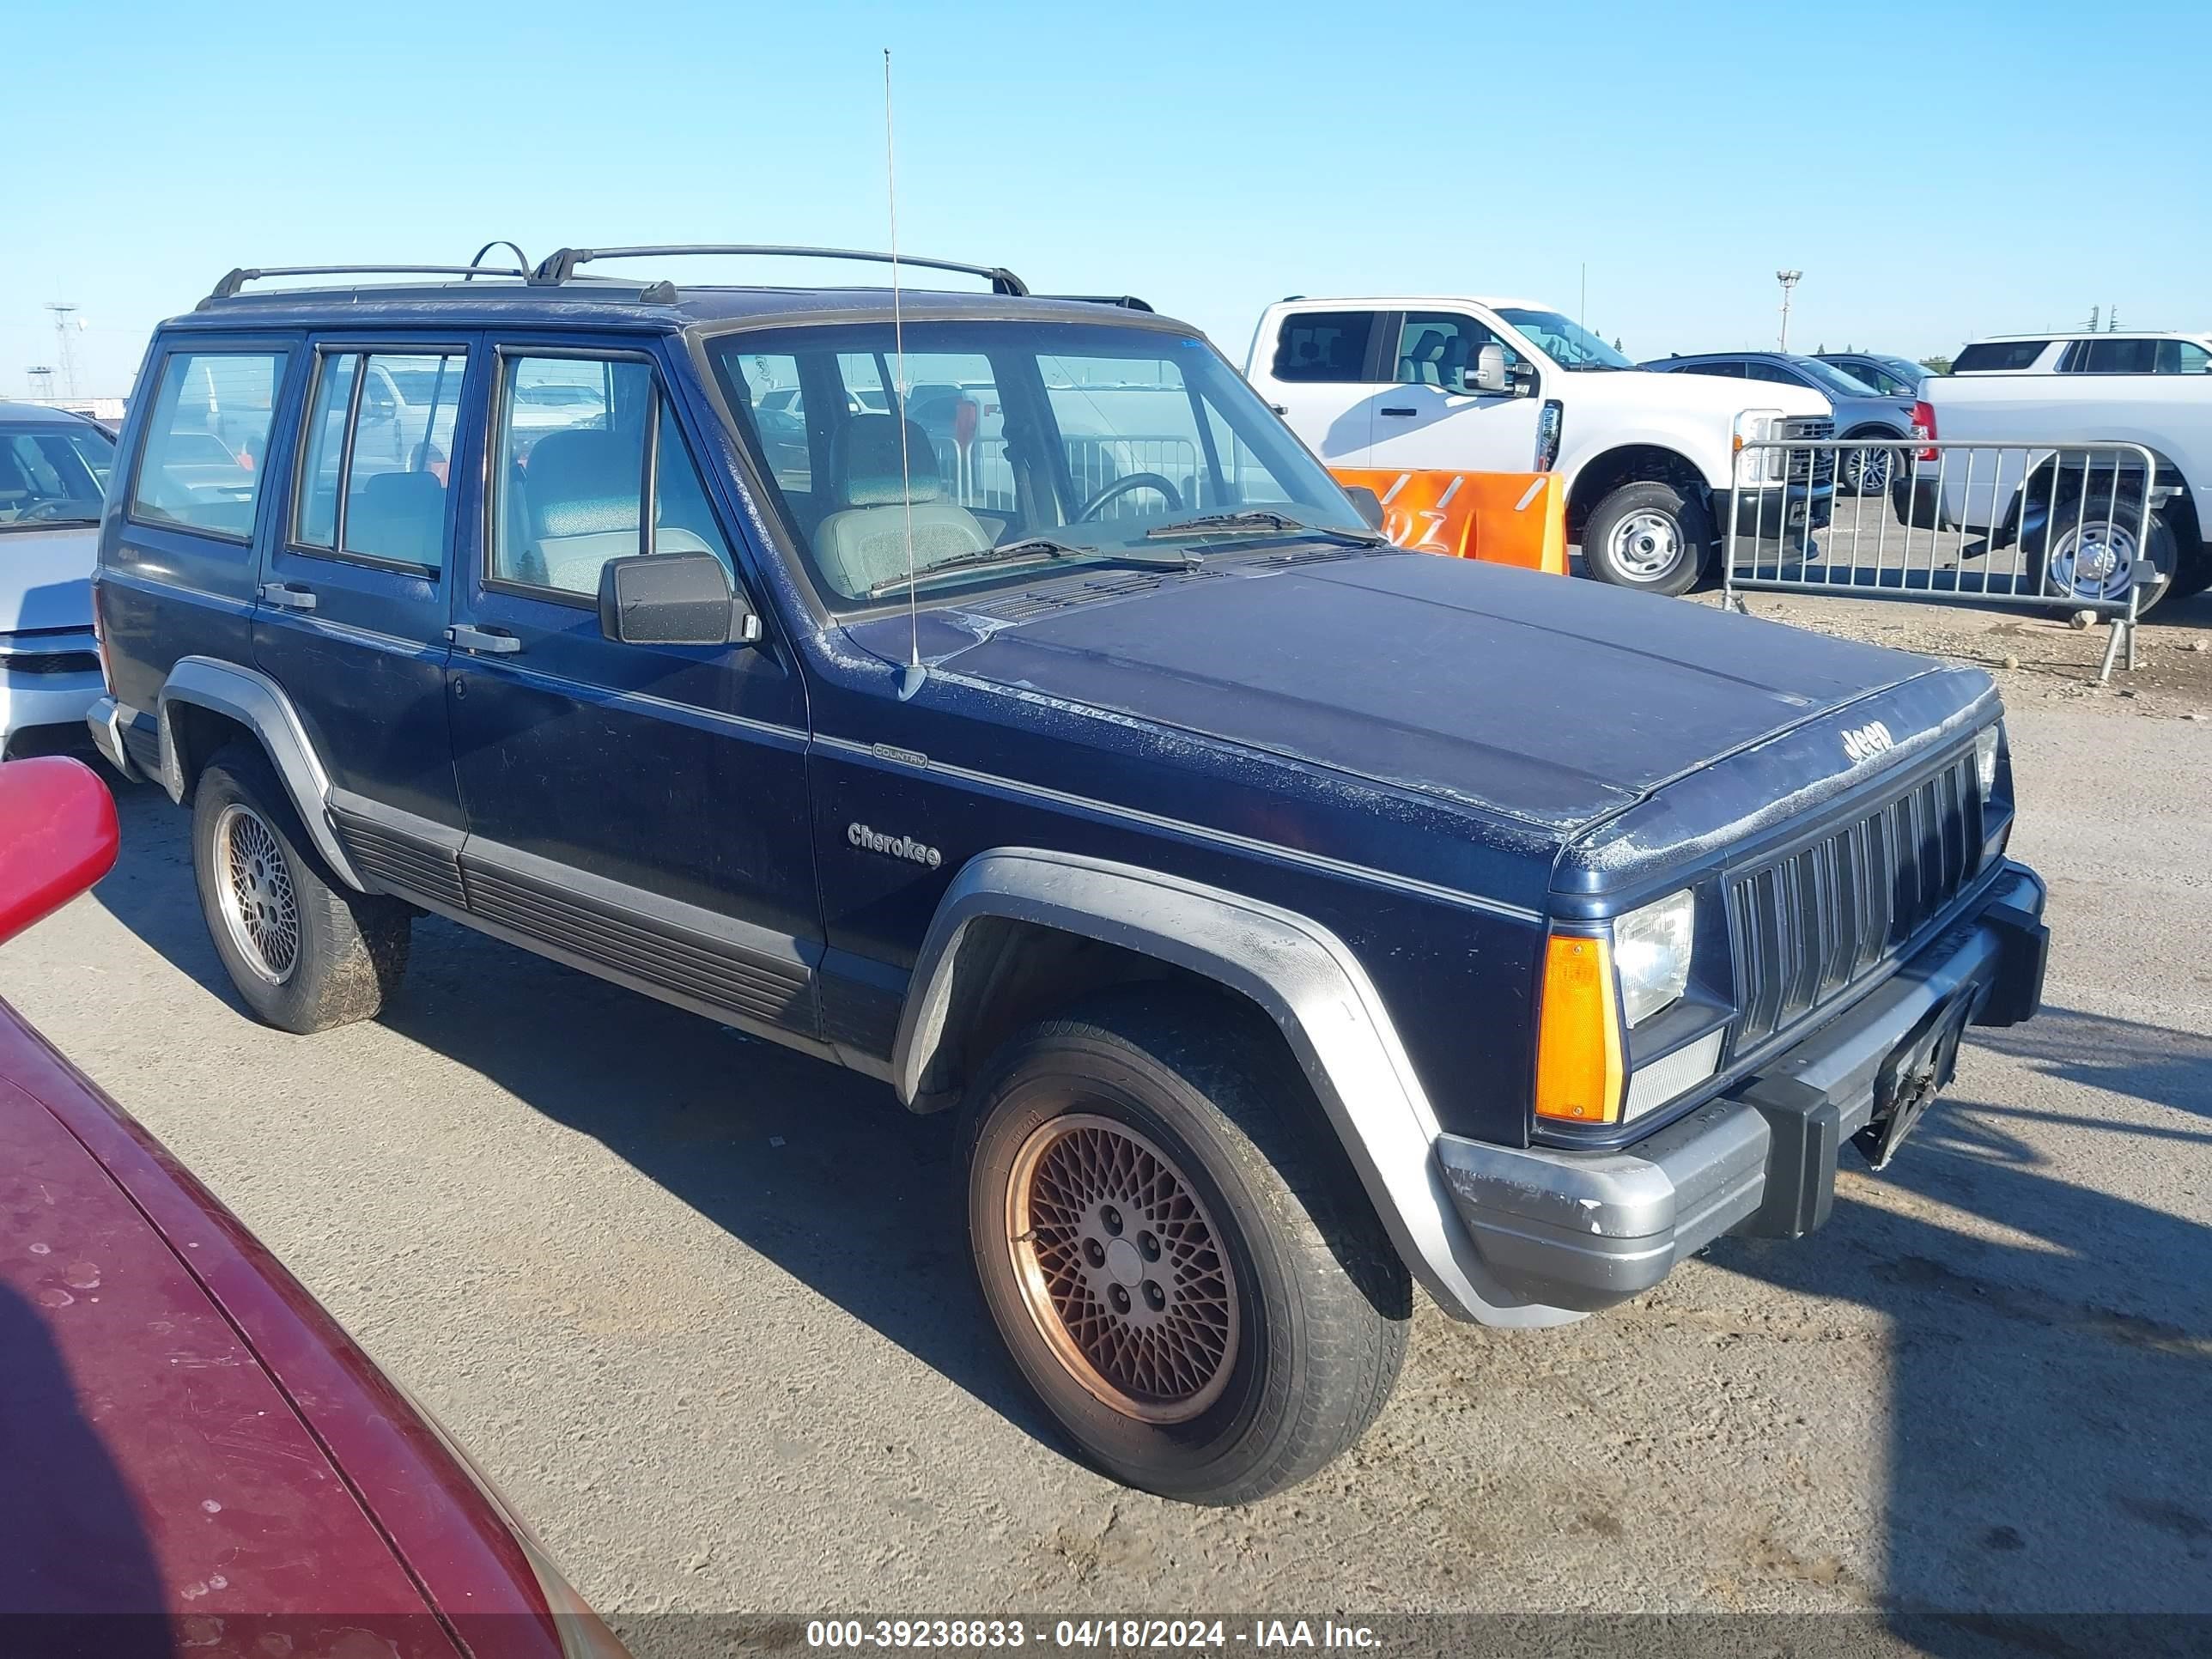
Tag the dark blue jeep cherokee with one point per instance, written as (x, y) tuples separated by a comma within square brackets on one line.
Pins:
[(986, 692)]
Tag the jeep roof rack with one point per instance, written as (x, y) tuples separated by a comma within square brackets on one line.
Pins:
[(560, 265), (236, 279), (1127, 301)]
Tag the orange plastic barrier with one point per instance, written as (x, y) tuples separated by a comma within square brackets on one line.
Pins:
[(1502, 518)]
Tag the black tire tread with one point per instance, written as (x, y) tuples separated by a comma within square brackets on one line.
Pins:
[(354, 946), (1355, 1294)]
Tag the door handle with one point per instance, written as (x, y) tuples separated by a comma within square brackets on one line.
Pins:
[(285, 596), (482, 639), (1398, 410), (1278, 409)]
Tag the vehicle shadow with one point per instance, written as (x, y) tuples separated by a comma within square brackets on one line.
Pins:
[(77, 1574), (2050, 1357), (820, 1170)]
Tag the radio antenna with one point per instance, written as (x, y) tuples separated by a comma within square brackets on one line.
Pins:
[(911, 676)]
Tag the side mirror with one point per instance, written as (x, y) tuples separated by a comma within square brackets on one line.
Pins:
[(1369, 503), (1489, 375), (58, 836), (673, 599)]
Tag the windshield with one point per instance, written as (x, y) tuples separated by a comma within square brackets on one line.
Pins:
[(1830, 378), (51, 475), (1031, 447), (1566, 342)]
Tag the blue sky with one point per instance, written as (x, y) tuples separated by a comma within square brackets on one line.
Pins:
[(1936, 171)]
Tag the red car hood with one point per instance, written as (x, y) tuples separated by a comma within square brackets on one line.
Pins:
[(195, 1437)]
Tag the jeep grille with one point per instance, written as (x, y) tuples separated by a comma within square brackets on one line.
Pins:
[(1811, 923)]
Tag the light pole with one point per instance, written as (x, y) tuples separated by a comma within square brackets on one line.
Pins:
[(1789, 279)]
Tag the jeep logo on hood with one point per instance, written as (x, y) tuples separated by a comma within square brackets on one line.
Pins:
[(1863, 743)]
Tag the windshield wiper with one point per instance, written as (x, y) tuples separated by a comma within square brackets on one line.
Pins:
[(48, 524), (1021, 552), (1262, 521)]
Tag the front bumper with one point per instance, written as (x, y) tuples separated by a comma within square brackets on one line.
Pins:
[(1583, 1230), (31, 701), (1774, 513)]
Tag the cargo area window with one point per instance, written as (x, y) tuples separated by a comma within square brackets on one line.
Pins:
[(375, 456), (592, 466), (2013, 354), (206, 438)]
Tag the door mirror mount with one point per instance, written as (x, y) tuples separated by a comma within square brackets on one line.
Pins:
[(673, 599)]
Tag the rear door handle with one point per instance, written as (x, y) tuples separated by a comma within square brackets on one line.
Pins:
[(285, 596), (482, 639), (1278, 409), (1400, 411)]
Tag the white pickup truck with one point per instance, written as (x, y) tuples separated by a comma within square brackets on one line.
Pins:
[(1508, 385), (2032, 498)]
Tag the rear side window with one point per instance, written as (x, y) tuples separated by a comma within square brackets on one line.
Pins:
[(592, 466), (1724, 371), (1324, 345), (206, 438), (2124, 356), (1999, 353), (375, 459), (1773, 371)]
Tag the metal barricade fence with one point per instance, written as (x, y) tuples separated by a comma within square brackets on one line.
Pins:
[(2062, 527), (978, 474)]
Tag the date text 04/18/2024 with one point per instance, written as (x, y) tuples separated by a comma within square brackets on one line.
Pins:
[(1086, 1634)]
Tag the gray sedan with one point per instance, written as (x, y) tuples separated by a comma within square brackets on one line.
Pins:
[(1861, 411)]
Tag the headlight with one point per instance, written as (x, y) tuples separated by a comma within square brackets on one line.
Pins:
[(1757, 465), (1985, 758), (1652, 953)]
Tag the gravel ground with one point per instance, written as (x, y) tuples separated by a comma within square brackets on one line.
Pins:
[(701, 1307)]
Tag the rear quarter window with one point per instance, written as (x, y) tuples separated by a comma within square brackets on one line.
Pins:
[(1999, 355), (207, 438)]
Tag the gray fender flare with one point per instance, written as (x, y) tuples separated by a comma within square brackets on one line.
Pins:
[(1300, 973), (257, 703)]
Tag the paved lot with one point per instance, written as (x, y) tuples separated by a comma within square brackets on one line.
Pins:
[(700, 1307)]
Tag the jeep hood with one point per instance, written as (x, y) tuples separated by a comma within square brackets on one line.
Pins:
[(1552, 700)]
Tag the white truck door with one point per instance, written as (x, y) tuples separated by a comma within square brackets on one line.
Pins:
[(1433, 420), (1317, 370)]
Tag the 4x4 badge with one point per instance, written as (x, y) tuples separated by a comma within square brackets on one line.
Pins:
[(1863, 743), (897, 846)]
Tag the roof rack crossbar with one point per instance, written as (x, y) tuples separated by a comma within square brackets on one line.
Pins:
[(234, 281), (560, 265)]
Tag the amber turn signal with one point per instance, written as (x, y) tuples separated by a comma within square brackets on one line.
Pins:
[(1578, 1043)]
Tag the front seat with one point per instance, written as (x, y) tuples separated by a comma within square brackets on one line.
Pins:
[(1418, 366), (581, 504), (864, 541)]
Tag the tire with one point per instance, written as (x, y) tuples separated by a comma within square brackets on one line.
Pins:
[(1868, 472), (1290, 1305), (304, 952), (2154, 567), (1648, 536)]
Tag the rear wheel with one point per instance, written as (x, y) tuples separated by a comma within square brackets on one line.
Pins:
[(1183, 1269), (2095, 553), (1648, 536), (306, 952)]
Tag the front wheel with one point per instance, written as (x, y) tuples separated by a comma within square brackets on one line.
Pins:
[(1648, 536), (1181, 1265)]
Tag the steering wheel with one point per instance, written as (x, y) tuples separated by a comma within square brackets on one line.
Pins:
[(1122, 485), (44, 511)]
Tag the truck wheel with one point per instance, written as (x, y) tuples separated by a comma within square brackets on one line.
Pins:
[(304, 952), (2098, 552), (1648, 536), (1184, 1269)]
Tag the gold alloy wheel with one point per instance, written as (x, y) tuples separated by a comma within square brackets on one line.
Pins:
[(1121, 1268)]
